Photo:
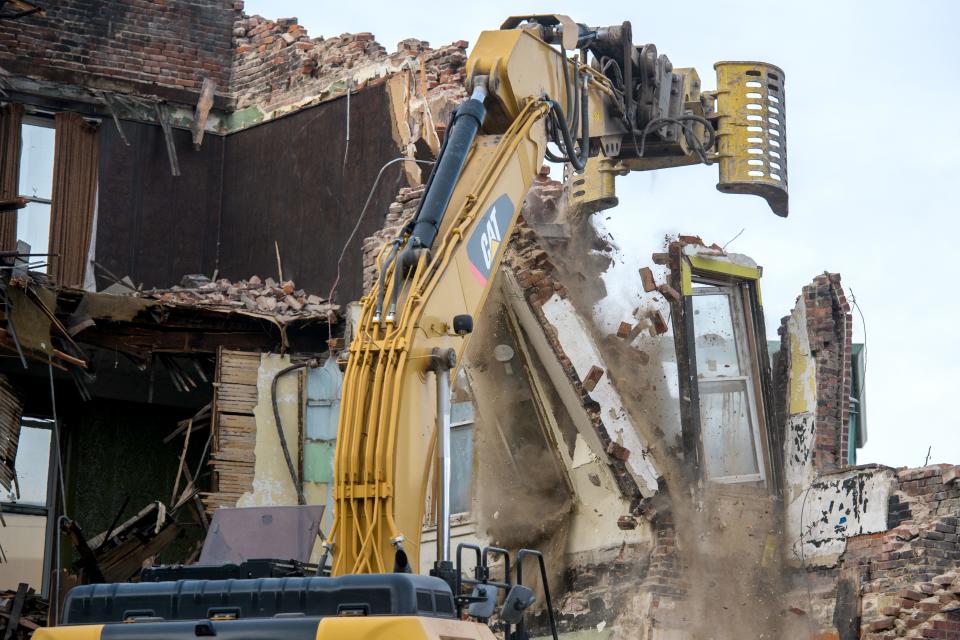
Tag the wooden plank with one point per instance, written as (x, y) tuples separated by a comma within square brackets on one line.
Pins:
[(15, 611), (238, 422)]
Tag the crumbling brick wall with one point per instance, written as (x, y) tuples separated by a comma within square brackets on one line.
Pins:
[(830, 329), (134, 46), (903, 582), (277, 64)]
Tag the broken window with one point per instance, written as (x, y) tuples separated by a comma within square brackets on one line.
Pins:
[(25, 506), (33, 454), (723, 368), (36, 184)]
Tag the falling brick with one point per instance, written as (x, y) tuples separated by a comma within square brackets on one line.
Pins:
[(618, 451), (623, 331), (646, 276), (659, 324), (669, 292), (662, 259), (593, 377), (627, 523)]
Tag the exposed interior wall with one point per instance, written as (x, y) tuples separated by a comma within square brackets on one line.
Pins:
[(900, 581), (114, 450), (151, 225), (298, 183)]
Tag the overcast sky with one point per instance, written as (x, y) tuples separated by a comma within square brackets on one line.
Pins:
[(873, 158)]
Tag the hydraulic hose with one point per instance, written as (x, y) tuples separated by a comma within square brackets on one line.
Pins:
[(381, 278), (578, 161)]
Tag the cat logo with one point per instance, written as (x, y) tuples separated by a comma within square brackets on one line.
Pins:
[(488, 236)]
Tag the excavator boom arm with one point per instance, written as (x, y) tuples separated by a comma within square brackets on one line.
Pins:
[(626, 110)]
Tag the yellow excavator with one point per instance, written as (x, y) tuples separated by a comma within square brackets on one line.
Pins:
[(541, 87)]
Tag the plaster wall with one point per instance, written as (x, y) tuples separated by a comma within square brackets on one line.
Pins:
[(22, 539), (577, 341), (272, 485), (822, 510)]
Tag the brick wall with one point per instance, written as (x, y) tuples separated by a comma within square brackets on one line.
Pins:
[(164, 47), (278, 64), (830, 329), (906, 577)]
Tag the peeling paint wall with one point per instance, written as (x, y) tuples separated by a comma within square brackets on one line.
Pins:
[(272, 485), (824, 506), (836, 507)]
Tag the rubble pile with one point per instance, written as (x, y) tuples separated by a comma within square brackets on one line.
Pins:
[(255, 295), (400, 212), (277, 64), (21, 612), (927, 610)]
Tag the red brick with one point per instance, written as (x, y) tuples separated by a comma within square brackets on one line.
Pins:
[(881, 625), (592, 378), (618, 451), (670, 293), (646, 277), (659, 323)]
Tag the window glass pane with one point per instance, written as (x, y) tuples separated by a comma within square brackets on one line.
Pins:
[(461, 412), (713, 331), (33, 467), (33, 227), (461, 467), (36, 161), (728, 442)]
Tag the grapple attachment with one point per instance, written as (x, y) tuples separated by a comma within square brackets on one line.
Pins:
[(751, 121)]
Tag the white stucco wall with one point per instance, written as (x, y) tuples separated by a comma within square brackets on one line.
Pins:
[(578, 344)]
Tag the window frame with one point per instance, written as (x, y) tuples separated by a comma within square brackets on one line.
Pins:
[(747, 376), (463, 516), (47, 123), (692, 270), (32, 509), (48, 510)]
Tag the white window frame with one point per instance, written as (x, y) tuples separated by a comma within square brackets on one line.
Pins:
[(47, 123)]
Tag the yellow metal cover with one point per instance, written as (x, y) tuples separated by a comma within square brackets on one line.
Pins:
[(752, 131)]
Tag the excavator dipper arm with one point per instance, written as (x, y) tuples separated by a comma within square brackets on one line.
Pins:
[(627, 109)]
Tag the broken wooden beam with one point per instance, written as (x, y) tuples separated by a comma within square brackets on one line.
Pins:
[(204, 104), (164, 119), (12, 204)]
